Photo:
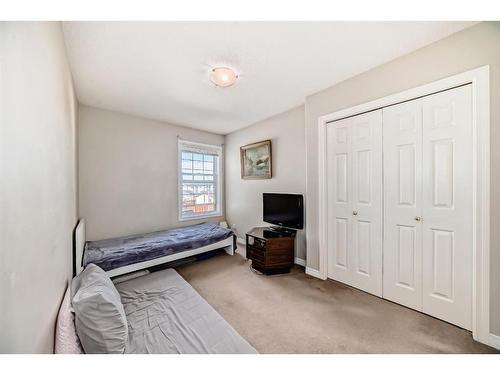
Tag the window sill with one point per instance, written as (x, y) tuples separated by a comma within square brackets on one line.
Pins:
[(198, 217)]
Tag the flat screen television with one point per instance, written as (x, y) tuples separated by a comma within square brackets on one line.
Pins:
[(284, 210)]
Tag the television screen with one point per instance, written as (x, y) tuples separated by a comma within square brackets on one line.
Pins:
[(286, 210)]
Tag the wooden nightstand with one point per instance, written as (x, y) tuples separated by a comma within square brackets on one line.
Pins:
[(272, 252)]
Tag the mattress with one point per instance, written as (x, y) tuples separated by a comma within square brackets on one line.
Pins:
[(123, 251), (166, 315)]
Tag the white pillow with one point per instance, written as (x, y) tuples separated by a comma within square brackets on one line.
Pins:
[(100, 319), (67, 341)]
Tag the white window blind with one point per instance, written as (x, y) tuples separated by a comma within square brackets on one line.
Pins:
[(199, 180)]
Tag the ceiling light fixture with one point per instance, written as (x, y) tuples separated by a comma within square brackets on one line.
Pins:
[(223, 77)]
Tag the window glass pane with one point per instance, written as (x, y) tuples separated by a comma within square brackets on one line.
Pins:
[(197, 157), (187, 164), (198, 166), (187, 155), (208, 167)]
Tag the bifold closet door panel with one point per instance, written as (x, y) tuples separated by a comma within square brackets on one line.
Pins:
[(403, 203), (367, 218), (447, 205), (339, 199), (354, 184)]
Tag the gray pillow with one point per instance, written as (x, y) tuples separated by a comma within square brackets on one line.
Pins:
[(100, 320)]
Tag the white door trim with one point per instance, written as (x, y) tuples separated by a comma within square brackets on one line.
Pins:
[(479, 78)]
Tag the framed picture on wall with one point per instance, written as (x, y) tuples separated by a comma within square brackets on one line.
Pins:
[(256, 160)]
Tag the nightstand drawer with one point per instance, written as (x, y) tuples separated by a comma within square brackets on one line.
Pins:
[(280, 259), (256, 254)]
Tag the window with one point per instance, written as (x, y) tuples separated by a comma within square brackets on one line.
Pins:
[(199, 180)]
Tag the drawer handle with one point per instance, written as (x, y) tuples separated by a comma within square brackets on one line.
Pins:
[(355, 213)]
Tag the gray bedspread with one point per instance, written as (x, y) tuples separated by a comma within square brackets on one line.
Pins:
[(122, 251), (166, 315)]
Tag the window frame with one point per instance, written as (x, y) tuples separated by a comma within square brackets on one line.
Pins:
[(183, 145)]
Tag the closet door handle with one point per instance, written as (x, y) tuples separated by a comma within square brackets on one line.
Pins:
[(418, 218), (355, 213)]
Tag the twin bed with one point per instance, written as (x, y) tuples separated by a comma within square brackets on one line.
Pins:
[(122, 255)]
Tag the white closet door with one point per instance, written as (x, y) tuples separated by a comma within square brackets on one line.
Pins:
[(403, 203), (355, 201), (447, 205), (367, 223), (339, 199)]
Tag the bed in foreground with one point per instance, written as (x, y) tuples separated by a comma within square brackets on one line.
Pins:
[(118, 256), (156, 313), (166, 315)]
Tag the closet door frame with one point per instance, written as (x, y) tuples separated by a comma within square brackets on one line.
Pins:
[(479, 79)]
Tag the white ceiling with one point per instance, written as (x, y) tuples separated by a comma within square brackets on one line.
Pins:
[(159, 70)]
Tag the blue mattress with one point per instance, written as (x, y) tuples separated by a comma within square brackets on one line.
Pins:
[(123, 251)]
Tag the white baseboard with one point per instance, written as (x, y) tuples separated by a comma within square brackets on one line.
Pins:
[(495, 341), (313, 272), (300, 262)]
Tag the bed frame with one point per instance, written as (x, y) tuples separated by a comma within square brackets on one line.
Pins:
[(226, 244)]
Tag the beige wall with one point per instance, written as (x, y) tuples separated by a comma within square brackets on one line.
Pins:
[(244, 197), (37, 183), (468, 49), (128, 172)]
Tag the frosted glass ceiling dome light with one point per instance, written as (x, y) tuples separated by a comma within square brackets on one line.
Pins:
[(223, 77)]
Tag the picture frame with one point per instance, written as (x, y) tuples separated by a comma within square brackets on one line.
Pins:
[(256, 160)]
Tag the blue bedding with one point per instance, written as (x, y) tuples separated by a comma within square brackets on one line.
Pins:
[(123, 251)]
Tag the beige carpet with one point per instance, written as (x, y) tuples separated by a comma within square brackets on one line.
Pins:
[(297, 313)]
